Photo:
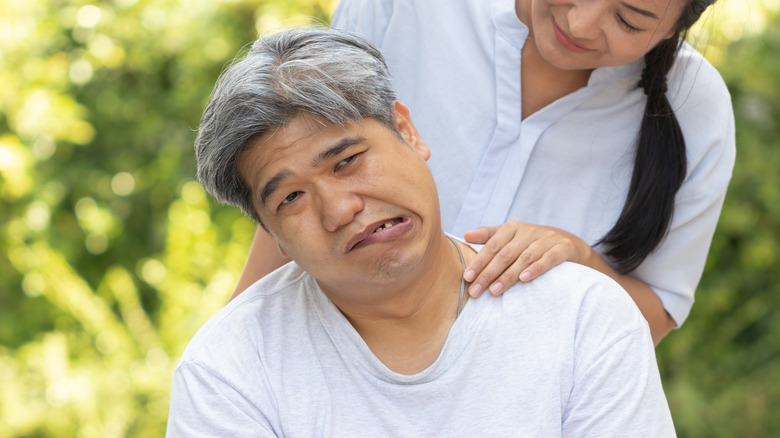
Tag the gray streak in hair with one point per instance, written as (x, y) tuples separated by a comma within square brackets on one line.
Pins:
[(330, 74)]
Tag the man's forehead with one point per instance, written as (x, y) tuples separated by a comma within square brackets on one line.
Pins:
[(302, 127), (303, 132)]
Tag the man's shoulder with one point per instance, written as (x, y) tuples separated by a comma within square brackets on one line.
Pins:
[(577, 281), (224, 368), (250, 314), (575, 293), (285, 284), (568, 285)]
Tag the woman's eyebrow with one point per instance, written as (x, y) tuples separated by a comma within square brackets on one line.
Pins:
[(640, 11)]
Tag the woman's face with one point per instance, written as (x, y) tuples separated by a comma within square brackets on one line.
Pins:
[(586, 34)]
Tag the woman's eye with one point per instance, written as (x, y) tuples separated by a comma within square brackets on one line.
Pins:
[(290, 198), (626, 25)]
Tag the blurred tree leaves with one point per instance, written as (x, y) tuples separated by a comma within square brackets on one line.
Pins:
[(112, 256), (721, 371)]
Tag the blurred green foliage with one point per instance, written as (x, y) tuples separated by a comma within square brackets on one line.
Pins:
[(112, 256), (721, 370)]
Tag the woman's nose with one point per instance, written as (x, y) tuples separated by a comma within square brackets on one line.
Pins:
[(584, 19)]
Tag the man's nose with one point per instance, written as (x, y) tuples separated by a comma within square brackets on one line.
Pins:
[(584, 19), (338, 207)]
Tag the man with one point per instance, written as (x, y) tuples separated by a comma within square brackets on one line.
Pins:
[(369, 332)]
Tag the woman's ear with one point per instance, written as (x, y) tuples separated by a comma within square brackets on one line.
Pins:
[(407, 130)]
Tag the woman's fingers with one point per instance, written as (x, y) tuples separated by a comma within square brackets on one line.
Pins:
[(504, 269), (501, 250), (515, 251), (504, 277), (551, 257), (488, 251), (480, 235)]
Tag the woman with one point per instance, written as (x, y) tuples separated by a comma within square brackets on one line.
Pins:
[(585, 117)]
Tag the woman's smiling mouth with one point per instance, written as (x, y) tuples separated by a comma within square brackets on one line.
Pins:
[(567, 41)]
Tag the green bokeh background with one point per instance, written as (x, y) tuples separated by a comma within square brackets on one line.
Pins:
[(112, 255)]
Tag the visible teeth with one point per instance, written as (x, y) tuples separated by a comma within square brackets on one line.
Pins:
[(387, 224)]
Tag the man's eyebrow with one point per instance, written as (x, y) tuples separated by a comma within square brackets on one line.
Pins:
[(644, 12), (336, 149), (272, 185)]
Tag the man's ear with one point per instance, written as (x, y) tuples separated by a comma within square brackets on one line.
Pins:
[(405, 127)]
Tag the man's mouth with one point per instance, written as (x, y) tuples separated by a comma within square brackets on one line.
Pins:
[(379, 232), (388, 224)]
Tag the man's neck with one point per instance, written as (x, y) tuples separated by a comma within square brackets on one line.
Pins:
[(408, 331)]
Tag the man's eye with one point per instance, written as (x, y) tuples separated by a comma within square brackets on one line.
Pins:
[(290, 198), (345, 161)]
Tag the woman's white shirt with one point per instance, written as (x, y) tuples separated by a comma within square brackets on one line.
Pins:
[(456, 65)]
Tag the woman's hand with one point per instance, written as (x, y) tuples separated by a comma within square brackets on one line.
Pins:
[(521, 251), (518, 251)]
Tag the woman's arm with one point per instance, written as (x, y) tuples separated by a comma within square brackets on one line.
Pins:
[(518, 251), (264, 257)]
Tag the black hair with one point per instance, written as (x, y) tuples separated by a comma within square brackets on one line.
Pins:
[(660, 164)]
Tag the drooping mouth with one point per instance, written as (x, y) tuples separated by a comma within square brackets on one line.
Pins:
[(373, 233), (388, 224)]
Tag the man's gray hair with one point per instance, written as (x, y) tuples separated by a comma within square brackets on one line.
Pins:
[(330, 74)]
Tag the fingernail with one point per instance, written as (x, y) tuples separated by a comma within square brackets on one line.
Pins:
[(469, 275), (496, 288), (475, 289), (525, 276)]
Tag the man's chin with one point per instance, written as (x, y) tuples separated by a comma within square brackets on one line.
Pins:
[(390, 269)]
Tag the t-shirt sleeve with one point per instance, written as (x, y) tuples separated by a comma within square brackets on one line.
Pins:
[(616, 387), (619, 393), (204, 404)]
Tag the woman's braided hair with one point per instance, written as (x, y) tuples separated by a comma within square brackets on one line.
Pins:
[(660, 165)]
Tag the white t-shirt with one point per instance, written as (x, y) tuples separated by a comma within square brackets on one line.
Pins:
[(456, 64), (567, 354)]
